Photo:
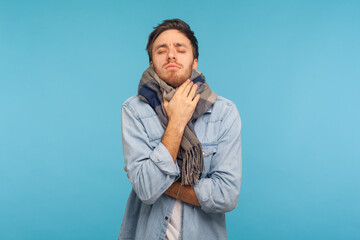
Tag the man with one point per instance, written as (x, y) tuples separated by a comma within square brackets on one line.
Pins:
[(182, 145)]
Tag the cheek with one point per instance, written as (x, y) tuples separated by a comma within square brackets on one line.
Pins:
[(158, 61), (189, 60)]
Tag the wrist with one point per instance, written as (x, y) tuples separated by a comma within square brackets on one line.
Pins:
[(177, 125)]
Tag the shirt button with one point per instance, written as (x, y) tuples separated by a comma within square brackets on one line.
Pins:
[(166, 218), (203, 153)]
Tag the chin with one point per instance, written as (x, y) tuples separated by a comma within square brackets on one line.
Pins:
[(175, 82), (174, 79)]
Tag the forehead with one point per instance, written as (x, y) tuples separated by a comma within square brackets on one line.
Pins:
[(171, 36)]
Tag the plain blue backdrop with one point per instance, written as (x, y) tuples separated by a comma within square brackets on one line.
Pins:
[(291, 67)]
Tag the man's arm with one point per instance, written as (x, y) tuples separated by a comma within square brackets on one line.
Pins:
[(152, 171), (183, 193), (179, 111)]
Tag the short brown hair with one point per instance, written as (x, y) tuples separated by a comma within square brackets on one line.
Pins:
[(173, 24)]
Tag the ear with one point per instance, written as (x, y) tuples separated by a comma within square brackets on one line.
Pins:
[(195, 62), (151, 64)]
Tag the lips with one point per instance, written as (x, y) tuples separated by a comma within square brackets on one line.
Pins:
[(172, 66)]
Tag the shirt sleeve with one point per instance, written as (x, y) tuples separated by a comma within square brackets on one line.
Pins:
[(151, 170), (219, 192)]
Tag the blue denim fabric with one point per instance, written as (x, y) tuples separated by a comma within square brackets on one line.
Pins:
[(152, 170)]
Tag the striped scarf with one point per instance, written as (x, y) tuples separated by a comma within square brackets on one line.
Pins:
[(190, 158)]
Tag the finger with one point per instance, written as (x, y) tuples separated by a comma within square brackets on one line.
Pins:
[(125, 169), (187, 88), (182, 86), (196, 99), (193, 91)]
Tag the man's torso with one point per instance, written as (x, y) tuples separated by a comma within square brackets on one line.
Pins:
[(150, 221)]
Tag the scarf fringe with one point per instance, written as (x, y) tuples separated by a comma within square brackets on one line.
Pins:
[(192, 166)]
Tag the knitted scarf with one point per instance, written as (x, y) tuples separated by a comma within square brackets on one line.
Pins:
[(190, 157)]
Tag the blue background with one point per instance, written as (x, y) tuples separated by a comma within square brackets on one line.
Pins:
[(291, 67)]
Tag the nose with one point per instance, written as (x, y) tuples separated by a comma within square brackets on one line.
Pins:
[(171, 54)]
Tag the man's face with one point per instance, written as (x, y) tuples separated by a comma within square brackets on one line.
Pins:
[(172, 57)]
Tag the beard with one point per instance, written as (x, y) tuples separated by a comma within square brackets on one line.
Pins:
[(174, 78)]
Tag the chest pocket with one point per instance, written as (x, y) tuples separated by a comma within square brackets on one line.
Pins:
[(208, 152), (153, 129)]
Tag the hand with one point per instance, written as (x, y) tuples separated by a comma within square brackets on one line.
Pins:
[(126, 172), (181, 107)]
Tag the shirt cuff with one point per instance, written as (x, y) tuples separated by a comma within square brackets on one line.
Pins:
[(164, 161), (203, 193)]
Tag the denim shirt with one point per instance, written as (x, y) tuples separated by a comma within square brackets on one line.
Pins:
[(151, 171)]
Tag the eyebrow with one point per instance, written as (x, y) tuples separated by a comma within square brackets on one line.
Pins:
[(177, 44)]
